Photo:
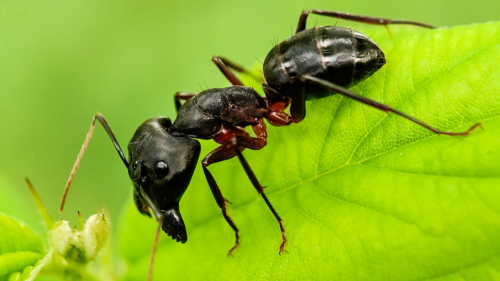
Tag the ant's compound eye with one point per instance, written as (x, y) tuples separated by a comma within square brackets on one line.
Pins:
[(161, 169)]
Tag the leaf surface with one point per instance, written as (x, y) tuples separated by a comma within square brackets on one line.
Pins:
[(20, 247), (364, 195)]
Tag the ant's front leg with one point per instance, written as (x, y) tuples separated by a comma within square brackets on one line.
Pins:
[(234, 147), (181, 96), (353, 17), (220, 154), (244, 142)]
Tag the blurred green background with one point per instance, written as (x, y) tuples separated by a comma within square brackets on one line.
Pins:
[(63, 61)]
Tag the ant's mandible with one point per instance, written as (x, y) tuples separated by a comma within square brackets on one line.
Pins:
[(313, 63)]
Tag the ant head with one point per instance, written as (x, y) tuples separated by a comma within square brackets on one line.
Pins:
[(161, 167)]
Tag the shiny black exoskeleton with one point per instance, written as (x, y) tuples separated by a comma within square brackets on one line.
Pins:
[(313, 63), (332, 53), (319, 62), (161, 167), (163, 156), (203, 115)]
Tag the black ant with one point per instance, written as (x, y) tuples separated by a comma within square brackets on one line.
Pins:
[(313, 63)]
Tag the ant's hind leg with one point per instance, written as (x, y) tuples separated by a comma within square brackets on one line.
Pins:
[(375, 104), (298, 107), (181, 96), (359, 18)]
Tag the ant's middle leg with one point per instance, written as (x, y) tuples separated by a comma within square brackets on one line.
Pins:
[(181, 96), (225, 67), (353, 17)]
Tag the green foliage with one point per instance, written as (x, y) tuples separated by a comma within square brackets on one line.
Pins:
[(364, 195), (20, 247), (22, 254), (13, 204)]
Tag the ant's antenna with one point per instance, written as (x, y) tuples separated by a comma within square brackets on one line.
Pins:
[(153, 253), (103, 122)]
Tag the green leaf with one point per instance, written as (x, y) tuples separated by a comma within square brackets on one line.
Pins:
[(13, 203), (364, 195), (20, 247)]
